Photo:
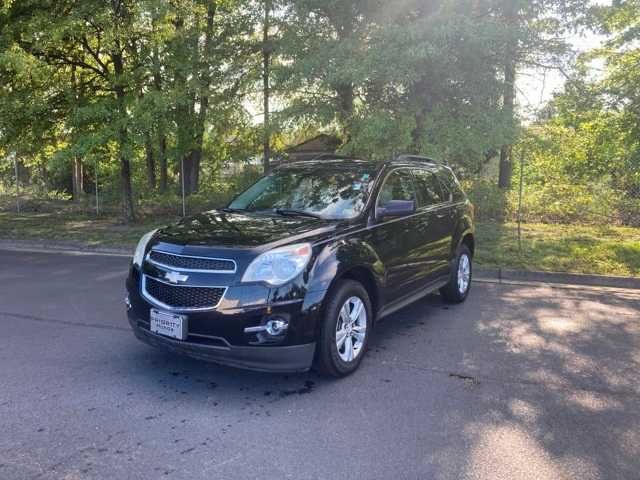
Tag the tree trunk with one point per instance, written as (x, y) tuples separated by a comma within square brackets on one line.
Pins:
[(162, 159), (345, 106), (506, 167), (128, 211), (195, 131), (266, 59), (193, 159), (150, 161), (508, 97), (77, 179), (418, 132), (506, 163), (161, 138), (77, 172), (345, 22), (192, 171)]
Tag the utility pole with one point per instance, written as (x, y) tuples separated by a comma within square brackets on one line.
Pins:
[(267, 49)]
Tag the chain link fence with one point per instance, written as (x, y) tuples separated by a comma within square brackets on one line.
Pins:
[(583, 224), (542, 222)]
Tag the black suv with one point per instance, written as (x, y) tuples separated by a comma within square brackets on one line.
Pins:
[(296, 271)]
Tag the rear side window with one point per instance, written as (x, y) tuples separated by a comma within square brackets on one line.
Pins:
[(428, 188), (450, 185), (397, 186)]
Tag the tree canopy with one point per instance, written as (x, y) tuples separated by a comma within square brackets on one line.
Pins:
[(154, 95)]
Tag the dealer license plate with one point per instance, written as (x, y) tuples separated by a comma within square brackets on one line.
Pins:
[(168, 324)]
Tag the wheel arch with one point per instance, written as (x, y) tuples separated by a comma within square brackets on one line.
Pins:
[(469, 240), (367, 279)]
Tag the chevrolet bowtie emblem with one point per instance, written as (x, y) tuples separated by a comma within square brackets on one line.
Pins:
[(175, 277)]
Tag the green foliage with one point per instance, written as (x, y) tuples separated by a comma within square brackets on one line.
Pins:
[(139, 91), (490, 202)]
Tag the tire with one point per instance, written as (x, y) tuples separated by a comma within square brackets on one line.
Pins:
[(332, 359), (455, 291)]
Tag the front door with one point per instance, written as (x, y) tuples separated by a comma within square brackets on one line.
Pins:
[(397, 240)]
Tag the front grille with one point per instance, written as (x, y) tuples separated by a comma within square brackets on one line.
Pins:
[(177, 296), (192, 263)]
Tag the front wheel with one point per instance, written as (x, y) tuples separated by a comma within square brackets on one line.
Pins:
[(457, 289), (345, 330)]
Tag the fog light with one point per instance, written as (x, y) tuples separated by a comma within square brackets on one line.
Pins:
[(276, 326), (127, 302)]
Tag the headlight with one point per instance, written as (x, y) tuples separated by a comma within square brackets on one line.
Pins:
[(279, 266), (138, 256)]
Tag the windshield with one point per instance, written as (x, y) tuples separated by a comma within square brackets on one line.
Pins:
[(330, 192)]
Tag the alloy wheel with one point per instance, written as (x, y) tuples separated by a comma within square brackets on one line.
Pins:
[(464, 273), (351, 329)]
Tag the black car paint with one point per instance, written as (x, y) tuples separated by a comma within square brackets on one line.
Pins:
[(389, 255)]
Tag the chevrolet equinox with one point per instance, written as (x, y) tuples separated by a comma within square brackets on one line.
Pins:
[(296, 270)]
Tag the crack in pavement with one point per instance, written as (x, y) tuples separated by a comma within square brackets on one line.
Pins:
[(506, 381)]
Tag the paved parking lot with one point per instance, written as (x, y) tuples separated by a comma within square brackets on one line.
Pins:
[(521, 382)]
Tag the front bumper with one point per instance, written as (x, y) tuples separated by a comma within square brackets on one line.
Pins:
[(280, 359)]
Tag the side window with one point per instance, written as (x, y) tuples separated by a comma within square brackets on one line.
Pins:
[(450, 185), (397, 186), (429, 188)]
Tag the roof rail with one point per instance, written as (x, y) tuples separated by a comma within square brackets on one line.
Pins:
[(332, 156), (416, 158)]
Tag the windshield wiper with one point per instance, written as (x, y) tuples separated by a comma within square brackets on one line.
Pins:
[(232, 210), (293, 212)]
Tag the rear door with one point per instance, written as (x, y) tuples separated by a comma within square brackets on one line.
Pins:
[(436, 225)]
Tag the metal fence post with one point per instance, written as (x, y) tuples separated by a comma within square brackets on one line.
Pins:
[(522, 154), (97, 193), (15, 163)]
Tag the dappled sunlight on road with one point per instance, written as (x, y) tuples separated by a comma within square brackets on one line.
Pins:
[(552, 373), (509, 452), (578, 349)]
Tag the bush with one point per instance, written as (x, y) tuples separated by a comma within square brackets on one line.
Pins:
[(489, 201), (629, 211)]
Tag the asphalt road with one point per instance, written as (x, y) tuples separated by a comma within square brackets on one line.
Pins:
[(521, 382)]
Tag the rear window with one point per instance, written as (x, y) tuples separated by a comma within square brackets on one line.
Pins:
[(450, 185)]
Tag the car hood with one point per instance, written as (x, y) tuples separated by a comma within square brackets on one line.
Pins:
[(244, 230)]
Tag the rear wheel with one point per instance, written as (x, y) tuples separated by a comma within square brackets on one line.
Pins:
[(457, 289), (345, 330)]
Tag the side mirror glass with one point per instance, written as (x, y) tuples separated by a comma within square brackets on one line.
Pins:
[(396, 208)]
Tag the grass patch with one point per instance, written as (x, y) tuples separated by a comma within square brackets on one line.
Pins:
[(90, 230), (603, 250)]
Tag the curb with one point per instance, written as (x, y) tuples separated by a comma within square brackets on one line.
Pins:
[(71, 248), (505, 275), (495, 274)]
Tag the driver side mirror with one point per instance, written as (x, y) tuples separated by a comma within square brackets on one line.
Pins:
[(396, 208)]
